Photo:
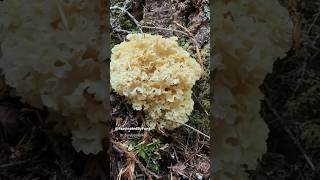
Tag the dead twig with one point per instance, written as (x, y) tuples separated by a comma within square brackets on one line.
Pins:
[(62, 14), (316, 17), (164, 29), (191, 36), (150, 27), (196, 130), (132, 156), (130, 15), (197, 99), (122, 31), (13, 164), (296, 19), (278, 116)]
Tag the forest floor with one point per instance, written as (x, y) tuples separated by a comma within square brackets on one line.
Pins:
[(182, 153), (291, 107), (31, 151)]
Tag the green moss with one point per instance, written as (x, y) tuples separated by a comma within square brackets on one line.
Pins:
[(150, 155), (199, 118)]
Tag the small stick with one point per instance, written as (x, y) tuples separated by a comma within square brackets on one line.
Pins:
[(192, 129), (201, 104), (63, 16), (313, 22), (184, 29), (122, 31), (290, 134), (13, 164), (165, 29), (130, 15), (195, 43), (131, 155)]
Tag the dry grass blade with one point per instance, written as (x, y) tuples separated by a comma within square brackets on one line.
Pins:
[(296, 19), (128, 171)]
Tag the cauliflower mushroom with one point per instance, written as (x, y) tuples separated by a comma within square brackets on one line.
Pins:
[(249, 35), (156, 75), (52, 54)]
